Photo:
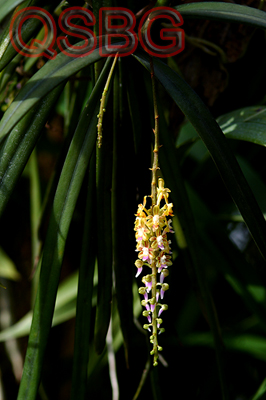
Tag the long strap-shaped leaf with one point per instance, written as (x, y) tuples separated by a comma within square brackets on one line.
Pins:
[(66, 196), (104, 238), (85, 293), (211, 134), (121, 184), (227, 12)]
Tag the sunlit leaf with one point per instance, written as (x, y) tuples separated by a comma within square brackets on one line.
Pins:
[(247, 124), (64, 309), (7, 267), (260, 394)]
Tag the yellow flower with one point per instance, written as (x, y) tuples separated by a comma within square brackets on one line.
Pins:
[(162, 192), (157, 220)]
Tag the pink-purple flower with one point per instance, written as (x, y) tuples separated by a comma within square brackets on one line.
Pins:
[(154, 253)]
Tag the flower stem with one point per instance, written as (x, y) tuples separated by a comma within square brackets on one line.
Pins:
[(103, 101), (152, 226), (143, 379), (155, 165), (154, 314)]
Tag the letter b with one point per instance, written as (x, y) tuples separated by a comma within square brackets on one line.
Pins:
[(109, 31)]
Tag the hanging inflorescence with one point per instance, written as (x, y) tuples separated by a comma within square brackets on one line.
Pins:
[(152, 227)]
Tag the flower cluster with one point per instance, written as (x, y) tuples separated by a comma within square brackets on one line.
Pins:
[(154, 251)]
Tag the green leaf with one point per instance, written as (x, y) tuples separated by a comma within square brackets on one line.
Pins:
[(29, 30), (85, 293), (104, 238), (7, 267), (65, 200), (253, 345), (8, 6), (211, 134), (227, 12), (247, 124), (260, 394), (121, 184)]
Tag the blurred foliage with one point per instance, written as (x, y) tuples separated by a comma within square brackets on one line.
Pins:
[(70, 311)]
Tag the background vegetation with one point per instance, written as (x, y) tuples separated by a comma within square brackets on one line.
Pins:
[(67, 212)]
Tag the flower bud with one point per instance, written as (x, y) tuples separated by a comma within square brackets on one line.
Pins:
[(139, 263), (145, 313), (142, 290), (148, 278), (152, 300), (160, 348), (155, 210), (163, 308), (165, 272), (165, 286), (161, 183)]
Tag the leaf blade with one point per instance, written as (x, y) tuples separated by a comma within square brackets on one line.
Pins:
[(227, 12), (247, 124)]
